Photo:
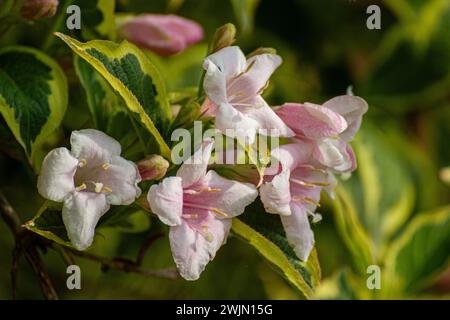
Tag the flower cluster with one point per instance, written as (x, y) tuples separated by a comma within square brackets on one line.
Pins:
[(198, 204)]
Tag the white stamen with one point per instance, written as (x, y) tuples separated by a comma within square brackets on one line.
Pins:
[(98, 187)]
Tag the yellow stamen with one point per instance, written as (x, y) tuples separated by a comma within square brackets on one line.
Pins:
[(81, 187), (213, 190), (312, 201), (220, 213), (98, 187), (82, 163), (106, 166), (106, 189)]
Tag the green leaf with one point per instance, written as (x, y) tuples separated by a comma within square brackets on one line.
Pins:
[(381, 191), (49, 224), (134, 77), (33, 95), (351, 230), (341, 286), (421, 252), (265, 233), (126, 219), (97, 18), (102, 101)]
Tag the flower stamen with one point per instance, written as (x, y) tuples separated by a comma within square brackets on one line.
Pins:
[(82, 163), (106, 166)]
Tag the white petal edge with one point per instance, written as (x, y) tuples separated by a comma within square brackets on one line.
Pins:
[(166, 200), (81, 213), (56, 179)]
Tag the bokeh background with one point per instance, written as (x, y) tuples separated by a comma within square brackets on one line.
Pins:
[(402, 71)]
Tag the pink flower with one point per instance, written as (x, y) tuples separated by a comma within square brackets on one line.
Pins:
[(162, 34), (326, 129), (198, 206), (233, 85), (294, 193), (36, 9)]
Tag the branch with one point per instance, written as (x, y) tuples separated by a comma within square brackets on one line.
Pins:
[(126, 265), (26, 244)]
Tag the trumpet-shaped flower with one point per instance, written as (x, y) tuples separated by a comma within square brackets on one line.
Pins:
[(88, 179), (294, 194), (198, 206), (327, 129), (233, 85)]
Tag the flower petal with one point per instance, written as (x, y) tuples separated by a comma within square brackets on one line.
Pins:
[(93, 145), (335, 154), (230, 197), (220, 67), (352, 109), (55, 181), (194, 168), (81, 213), (166, 200), (311, 120), (269, 120), (276, 195), (254, 78), (298, 231), (236, 124), (192, 251), (122, 177)]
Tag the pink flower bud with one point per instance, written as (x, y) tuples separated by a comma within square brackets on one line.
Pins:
[(162, 34), (153, 167), (36, 9)]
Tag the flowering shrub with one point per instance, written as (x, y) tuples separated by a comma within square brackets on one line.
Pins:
[(113, 140)]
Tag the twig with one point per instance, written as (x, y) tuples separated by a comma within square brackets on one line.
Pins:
[(126, 265), (145, 246), (26, 244)]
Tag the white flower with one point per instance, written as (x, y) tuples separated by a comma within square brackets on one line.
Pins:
[(88, 179), (233, 85)]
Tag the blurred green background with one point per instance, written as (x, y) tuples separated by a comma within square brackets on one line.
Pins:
[(402, 71)]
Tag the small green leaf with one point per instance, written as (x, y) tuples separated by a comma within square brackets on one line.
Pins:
[(265, 233), (421, 252), (33, 95), (48, 223), (134, 77)]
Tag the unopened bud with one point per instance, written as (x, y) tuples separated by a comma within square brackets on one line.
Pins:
[(153, 167), (262, 50), (36, 9), (223, 37), (164, 35)]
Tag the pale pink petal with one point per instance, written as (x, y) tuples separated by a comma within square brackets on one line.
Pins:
[(276, 196), (56, 179), (352, 109), (298, 231), (166, 200), (236, 124), (228, 196), (81, 213), (94, 146), (122, 177), (194, 168), (192, 250), (220, 68), (311, 120), (335, 154), (268, 120), (253, 79)]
